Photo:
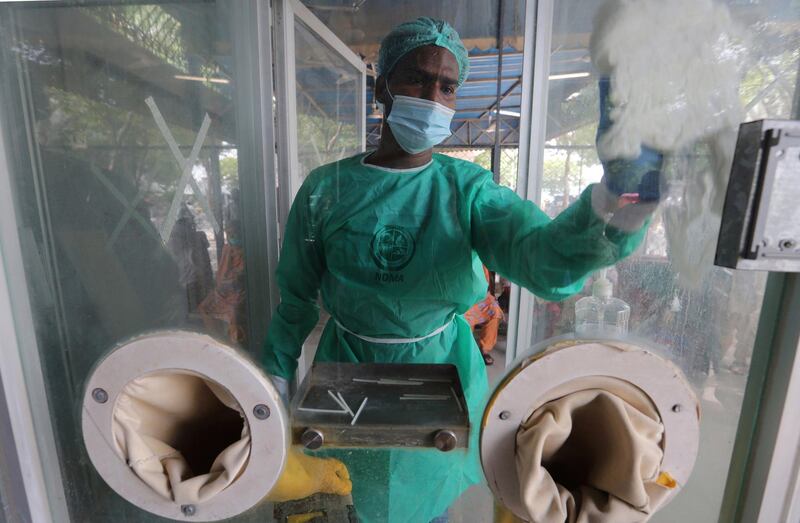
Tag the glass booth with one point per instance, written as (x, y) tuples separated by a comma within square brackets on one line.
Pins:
[(150, 153)]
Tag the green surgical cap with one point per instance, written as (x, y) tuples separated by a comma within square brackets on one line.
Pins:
[(422, 31)]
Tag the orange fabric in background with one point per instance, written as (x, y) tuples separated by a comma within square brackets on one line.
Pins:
[(487, 337), (226, 301), (487, 313)]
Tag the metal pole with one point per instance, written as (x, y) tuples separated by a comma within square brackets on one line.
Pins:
[(496, 151), (250, 21), (215, 199), (535, 72)]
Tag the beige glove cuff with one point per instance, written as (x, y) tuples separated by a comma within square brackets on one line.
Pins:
[(592, 454), (184, 436)]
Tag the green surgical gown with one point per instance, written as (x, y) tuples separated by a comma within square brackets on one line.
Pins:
[(397, 254)]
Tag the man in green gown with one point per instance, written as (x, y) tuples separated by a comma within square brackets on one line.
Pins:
[(395, 240)]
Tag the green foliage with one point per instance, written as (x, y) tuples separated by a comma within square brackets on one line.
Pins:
[(150, 26), (125, 142), (229, 172), (324, 140), (484, 159), (509, 161), (767, 88), (565, 162), (509, 165), (572, 149)]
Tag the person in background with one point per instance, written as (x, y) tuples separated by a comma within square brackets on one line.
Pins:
[(487, 315), (227, 301)]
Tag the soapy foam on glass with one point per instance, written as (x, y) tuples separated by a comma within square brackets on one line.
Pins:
[(675, 68)]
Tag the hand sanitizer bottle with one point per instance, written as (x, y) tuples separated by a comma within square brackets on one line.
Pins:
[(601, 315)]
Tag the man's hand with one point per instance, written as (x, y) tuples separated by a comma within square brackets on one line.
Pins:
[(636, 178)]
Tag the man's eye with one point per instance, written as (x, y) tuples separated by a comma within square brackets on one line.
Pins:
[(449, 90)]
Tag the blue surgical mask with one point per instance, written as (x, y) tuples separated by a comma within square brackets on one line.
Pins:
[(418, 124)]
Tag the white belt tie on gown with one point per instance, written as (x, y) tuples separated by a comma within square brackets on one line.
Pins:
[(393, 341)]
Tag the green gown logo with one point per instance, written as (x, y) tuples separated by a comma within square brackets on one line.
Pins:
[(392, 248)]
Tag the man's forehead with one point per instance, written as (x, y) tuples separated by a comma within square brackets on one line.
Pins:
[(429, 60)]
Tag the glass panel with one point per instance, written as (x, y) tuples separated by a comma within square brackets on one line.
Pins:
[(328, 98), (13, 503), (704, 318), (328, 113), (126, 149)]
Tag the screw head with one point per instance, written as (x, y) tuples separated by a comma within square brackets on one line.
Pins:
[(787, 244), (505, 415), (677, 408), (312, 439), (100, 395), (261, 411), (445, 440), (188, 510)]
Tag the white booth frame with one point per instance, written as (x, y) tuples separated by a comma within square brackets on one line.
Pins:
[(535, 75), (286, 13)]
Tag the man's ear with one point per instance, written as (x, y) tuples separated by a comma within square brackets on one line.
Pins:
[(381, 94)]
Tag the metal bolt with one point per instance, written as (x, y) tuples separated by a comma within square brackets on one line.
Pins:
[(787, 245), (188, 510), (445, 440), (312, 439), (261, 411), (100, 395), (676, 408), (505, 415)]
